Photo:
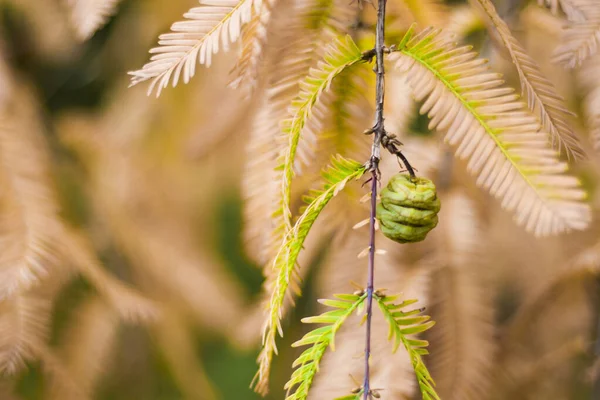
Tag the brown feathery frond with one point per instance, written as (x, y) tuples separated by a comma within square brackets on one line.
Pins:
[(588, 77), (463, 21), (463, 349), (23, 330), (507, 152), (156, 238), (581, 38), (48, 28), (530, 374), (129, 304), (151, 248), (254, 37), (427, 155), (572, 8), (216, 23), (59, 378), (259, 183), (542, 98), (583, 267), (29, 222), (87, 348), (400, 108), (177, 344), (88, 16)]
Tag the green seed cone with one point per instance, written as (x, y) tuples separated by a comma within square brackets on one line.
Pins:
[(408, 209)]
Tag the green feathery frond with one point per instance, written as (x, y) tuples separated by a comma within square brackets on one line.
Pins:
[(581, 38), (340, 54), (215, 23), (402, 326), (497, 133), (336, 176), (307, 365), (542, 98), (349, 108), (306, 31)]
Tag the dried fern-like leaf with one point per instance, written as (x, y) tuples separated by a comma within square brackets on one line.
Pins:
[(542, 98), (177, 343), (571, 8), (48, 27), (130, 305), (23, 330), (581, 38), (464, 347), (307, 364), (341, 54), (404, 324), (259, 185), (90, 15), (585, 266), (588, 77), (87, 347), (59, 377), (498, 134), (254, 37), (153, 239), (336, 177), (29, 222), (216, 23)]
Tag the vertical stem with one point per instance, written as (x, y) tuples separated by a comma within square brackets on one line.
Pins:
[(370, 283), (378, 129), (378, 132)]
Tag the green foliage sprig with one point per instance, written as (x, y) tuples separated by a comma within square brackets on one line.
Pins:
[(403, 324), (340, 54), (307, 365), (336, 176)]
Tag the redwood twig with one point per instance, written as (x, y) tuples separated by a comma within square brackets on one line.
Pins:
[(378, 133)]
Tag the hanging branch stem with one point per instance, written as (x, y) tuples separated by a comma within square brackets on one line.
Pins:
[(370, 283), (378, 131)]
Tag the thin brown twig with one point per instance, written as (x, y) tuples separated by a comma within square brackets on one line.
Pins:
[(378, 133)]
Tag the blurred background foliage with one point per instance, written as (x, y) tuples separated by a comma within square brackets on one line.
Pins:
[(155, 186)]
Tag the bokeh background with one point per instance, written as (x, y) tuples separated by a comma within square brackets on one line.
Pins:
[(153, 294)]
